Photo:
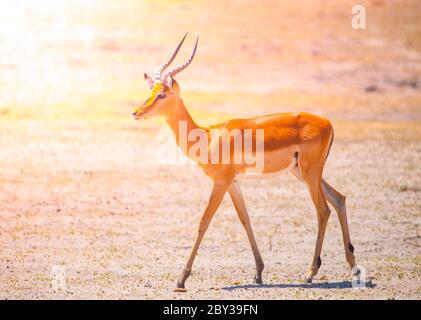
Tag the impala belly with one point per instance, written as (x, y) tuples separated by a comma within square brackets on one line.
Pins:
[(275, 162)]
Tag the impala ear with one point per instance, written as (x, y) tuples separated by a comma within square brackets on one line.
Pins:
[(174, 86), (148, 80)]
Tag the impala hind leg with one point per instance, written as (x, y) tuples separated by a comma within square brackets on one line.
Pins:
[(218, 192), (313, 180), (312, 177), (238, 200), (337, 200), (323, 213)]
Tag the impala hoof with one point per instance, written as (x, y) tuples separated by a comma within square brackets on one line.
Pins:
[(180, 285), (312, 271), (258, 280), (357, 271), (310, 275)]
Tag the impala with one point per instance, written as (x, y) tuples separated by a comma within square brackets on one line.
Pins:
[(295, 142)]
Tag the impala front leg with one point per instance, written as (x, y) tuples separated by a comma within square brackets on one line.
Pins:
[(218, 192), (240, 206)]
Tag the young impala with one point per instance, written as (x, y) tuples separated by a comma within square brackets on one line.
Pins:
[(294, 142)]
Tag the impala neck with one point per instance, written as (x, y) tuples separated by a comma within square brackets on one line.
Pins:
[(181, 124)]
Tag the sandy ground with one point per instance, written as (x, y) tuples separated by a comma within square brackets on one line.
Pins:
[(84, 199)]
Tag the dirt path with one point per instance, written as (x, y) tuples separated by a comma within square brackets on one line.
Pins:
[(123, 226)]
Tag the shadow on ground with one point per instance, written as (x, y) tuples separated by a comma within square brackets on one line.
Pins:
[(322, 285)]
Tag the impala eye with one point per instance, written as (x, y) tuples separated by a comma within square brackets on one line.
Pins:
[(161, 95)]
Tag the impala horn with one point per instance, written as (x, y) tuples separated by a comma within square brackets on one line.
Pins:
[(163, 66), (167, 76)]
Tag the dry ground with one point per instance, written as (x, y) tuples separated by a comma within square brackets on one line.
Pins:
[(80, 185)]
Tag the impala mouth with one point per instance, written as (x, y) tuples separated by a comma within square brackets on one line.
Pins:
[(139, 113), (136, 115)]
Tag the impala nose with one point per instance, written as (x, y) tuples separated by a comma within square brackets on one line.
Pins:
[(136, 111)]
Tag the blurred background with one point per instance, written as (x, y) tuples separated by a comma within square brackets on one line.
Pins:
[(283, 55), (80, 186)]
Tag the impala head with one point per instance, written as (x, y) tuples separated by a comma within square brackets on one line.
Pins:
[(165, 90)]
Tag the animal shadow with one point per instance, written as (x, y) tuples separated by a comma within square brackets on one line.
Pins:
[(319, 285)]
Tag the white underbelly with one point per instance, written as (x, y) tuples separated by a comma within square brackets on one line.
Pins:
[(262, 175)]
